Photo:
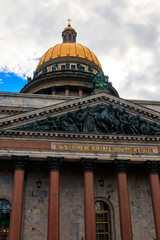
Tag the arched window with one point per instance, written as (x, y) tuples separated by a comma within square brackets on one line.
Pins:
[(103, 221), (69, 37), (5, 210), (64, 39)]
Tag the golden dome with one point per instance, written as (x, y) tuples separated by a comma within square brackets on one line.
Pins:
[(69, 49)]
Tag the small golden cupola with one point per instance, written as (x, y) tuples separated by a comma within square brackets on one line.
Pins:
[(69, 34)]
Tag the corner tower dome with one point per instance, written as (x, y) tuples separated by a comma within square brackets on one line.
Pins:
[(68, 68)]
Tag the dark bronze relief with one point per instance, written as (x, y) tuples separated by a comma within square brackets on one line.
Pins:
[(102, 119)]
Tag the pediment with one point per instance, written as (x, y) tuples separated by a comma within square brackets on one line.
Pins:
[(102, 108)]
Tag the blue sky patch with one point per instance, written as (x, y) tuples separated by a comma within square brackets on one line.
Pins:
[(10, 82)]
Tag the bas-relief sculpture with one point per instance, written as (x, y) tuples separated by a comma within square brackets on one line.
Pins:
[(103, 119)]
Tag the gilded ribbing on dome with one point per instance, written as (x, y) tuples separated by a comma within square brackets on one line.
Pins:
[(71, 49)]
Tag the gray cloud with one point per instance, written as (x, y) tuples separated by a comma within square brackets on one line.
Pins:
[(123, 34)]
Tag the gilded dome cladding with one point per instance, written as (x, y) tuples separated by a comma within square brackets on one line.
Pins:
[(70, 49)]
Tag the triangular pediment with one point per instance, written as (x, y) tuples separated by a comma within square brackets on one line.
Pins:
[(100, 109)]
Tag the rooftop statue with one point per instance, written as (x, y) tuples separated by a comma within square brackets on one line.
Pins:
[(101, 81), (54, 67)]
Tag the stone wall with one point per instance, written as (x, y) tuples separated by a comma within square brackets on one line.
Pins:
[(141, 205), (35, 214), (6, 180), (71, 203)]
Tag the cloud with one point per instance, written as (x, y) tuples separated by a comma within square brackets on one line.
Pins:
[(125, 36), (1, 81)]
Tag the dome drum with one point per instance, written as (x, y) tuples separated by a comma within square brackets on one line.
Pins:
[(57, 83), (71, 61), (60, 79)]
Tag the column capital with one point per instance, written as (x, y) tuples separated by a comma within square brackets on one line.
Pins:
[(121, 165), (152, 166), (20, 162), (88, 164), (54, 163)]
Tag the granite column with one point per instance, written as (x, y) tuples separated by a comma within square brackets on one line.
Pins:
[(153, 169), (89, 201), (121, 167), (54, 164), (19, 163)]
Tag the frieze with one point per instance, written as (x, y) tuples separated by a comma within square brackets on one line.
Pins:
[(101, 148), (105, 119)]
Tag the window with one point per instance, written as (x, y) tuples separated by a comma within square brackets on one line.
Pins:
[(103, 222), (73, 67), (82, 68), (5, 209), (63, 67), (69, 37)]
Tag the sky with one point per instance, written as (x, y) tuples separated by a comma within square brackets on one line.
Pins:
[(124, 35)]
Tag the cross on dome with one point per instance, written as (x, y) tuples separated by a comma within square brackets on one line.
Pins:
[(69, 22)]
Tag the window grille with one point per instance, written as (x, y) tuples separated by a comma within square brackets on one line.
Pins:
[(5, 210), (103, 222)]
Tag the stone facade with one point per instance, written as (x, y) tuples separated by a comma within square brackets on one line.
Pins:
[(72, 147)]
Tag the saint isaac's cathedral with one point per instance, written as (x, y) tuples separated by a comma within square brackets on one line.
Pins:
[(77, 161)]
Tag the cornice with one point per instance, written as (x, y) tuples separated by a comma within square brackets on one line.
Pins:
[(14, 111), (72, 105), (72, 136), (60, 75)]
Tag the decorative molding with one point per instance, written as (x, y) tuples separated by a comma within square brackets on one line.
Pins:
[(88, 164), (61, 135), (152, 166), (20, 162), (54, 163), (12, 111), (121, 165)]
